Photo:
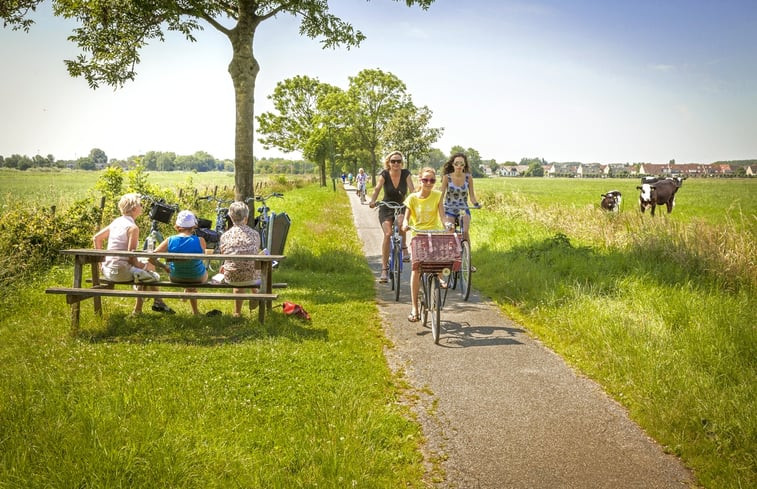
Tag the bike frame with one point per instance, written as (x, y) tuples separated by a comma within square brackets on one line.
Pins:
[(262, 220), (395, 248)]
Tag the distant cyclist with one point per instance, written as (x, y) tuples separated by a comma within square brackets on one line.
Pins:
[(397, 183), (362, 179)]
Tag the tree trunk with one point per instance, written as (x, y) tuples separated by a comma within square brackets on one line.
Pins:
[(244, 69), (322, 165)]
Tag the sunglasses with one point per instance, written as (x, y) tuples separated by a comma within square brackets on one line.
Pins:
[(458, 163), (428, 180), (395, 161)]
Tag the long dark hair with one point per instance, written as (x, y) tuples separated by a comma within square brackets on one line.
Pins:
[(450, 168)]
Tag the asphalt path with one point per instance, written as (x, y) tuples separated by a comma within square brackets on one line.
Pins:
[(499, 409)]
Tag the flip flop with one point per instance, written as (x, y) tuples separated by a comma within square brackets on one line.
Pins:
[(413, 318)]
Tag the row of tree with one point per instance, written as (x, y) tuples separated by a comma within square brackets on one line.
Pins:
[(155, 161)]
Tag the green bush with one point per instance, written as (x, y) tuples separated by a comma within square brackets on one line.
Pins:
[(31, 239)]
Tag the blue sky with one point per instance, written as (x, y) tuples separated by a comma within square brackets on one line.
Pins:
[(591, 81)]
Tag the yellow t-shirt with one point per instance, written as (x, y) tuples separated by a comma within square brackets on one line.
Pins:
[(424, 213)]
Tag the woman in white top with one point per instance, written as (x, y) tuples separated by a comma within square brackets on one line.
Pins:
[(123, 235)]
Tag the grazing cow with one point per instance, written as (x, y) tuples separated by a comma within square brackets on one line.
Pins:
[(611, 201), (658, 193)]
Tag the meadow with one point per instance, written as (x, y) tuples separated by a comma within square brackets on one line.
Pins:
[(659, 311)]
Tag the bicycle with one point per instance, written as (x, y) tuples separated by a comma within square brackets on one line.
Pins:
[(463, 275), (160, 212), (262, 223), (434, 253), (212, 236), (395, 247), (361, 191)]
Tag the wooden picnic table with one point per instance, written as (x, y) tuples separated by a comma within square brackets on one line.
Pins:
[(78, 291)]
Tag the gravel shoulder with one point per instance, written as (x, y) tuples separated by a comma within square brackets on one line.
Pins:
[(499, 409)]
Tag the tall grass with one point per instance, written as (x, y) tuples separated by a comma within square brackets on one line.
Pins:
[(179, 401), (660, 311)]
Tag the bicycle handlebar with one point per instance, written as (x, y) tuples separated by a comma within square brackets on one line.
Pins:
[(260, 198), (216, 199)]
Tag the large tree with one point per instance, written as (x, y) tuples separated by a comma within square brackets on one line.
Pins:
[(409, 132), (111, 34), (294, 127)]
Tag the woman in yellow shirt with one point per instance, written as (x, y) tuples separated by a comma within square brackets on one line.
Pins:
[(425, 211)]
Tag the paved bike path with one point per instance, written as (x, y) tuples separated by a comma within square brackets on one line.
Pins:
[(499, 409)]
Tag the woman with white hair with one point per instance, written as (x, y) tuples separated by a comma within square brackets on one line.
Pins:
[(241, 239), (123, 235)]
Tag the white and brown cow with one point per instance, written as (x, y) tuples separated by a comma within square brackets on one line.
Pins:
[(659, 193), (611, 201)]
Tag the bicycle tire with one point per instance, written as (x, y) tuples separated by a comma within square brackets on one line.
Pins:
[(424, 300), (465, 270), (396, 269), (435, 307)]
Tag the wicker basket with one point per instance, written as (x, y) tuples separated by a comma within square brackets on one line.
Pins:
[(435, 252)]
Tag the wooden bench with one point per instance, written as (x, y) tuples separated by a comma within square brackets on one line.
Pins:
[(103, 288)]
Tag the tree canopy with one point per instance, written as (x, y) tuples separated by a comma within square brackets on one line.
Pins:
[(111, 34)]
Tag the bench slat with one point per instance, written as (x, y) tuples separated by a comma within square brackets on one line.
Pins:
[(163, 283), (161, 294)]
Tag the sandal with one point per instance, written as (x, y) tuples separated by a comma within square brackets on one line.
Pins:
[(384, 279), (413, 317)]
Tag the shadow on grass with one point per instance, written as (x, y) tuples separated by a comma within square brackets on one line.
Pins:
[(201, 330)]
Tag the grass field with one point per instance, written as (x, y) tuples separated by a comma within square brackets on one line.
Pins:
[(58, 188), (659, 311)]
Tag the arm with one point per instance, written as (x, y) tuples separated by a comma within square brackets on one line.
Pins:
[(471, 192), (102, 235), (410, 187), (445, 184), (406, 220), (440, 208), (376, 190), (132, 242), (162, 247)]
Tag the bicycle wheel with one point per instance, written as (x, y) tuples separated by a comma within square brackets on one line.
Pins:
[(395, 264), (213, 265), (424, 300), (435, 307), (465, 270)]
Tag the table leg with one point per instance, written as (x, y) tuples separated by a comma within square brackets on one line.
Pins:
[(96, 283), (76, 306)]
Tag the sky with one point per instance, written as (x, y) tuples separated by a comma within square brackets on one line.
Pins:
[(607, 81)]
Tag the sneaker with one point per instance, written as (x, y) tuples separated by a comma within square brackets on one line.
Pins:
[(162, 307)]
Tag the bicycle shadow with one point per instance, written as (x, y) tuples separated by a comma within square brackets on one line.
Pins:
[(464, 335)]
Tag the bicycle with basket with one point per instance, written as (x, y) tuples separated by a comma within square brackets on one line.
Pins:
[(435, 253)]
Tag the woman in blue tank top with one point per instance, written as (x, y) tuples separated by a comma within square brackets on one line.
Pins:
[(186, 271)]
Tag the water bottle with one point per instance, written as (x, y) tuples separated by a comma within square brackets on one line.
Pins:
[(150, 244)]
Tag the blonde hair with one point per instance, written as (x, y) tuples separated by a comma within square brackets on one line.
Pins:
[(128, 203), (389, 157), (426, 169)]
